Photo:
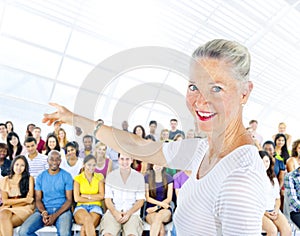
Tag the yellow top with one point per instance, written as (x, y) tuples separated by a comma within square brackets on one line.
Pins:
[(89, 188)]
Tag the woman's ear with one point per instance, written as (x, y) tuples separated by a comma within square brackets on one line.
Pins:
[(246, 90)]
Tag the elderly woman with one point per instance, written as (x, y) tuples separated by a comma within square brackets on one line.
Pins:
[(225, 194)]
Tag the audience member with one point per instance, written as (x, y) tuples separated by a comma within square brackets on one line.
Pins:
[(62, 138), (3, 133), (71, 163), (36, 133), (14, 145), (88, 193), (179, 179), (56, 125), (164, 136), (53, 195), (273, 220), (37, 162), (113, 155), (294, 161), (120, 184), (52, 144), (9, 126), (292, 188), (152, 129), (174, 130), (255, 141), (190, 134), (253, 124), (139, 165), (125, 125), (159, 193), (17, 191), (29, 130), (87, 146), (281, 151), (282, 130), (104, 164), (4, 161)]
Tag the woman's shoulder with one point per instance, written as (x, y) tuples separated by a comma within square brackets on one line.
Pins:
[(99, 176)]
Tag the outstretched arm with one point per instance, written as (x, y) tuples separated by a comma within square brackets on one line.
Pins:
[(119, 140)]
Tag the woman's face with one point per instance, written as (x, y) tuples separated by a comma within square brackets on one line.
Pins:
[(51, 143), (61, 134), (90, 166), (214, 96), (139, 131), (71, 151), (9, 127), (280, 142), (101, 150), (19, 166), (14, 141), (165, 135), (266, 161)]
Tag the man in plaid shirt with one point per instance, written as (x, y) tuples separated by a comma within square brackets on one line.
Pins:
[(292, 188)]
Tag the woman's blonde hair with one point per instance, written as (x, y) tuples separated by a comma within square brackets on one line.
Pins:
[(231, 52)]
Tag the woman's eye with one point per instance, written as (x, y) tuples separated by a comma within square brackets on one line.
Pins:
[(193, 87), (216, 89)]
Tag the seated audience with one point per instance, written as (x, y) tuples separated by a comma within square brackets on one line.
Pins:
[(40, 142), (37, 162), (71, 163), (104, 164), (273, 220), (17, 191), (120, 184), (88, 194), (53, 196), (159, 193), (87, 146), (294, 161), (14, 145), (4, 161)]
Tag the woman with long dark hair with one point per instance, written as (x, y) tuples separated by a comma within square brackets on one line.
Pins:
[(14, 145), (159, 192), (51, 143), (17, 196), (136, 164), (273, 219)]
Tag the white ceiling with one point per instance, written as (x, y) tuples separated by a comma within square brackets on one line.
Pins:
[(48, 48)]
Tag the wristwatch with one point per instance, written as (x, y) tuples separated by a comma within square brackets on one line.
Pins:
[(158, 207)]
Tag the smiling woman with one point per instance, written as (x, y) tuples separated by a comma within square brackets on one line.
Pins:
[(225, 194)]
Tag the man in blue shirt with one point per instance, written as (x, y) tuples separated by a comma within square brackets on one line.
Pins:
[(53, 196)]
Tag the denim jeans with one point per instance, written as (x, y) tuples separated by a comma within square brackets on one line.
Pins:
[(35, 222)]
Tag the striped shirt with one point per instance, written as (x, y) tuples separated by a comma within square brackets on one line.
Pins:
[(292, 188), (37, 164), (229, 200)]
